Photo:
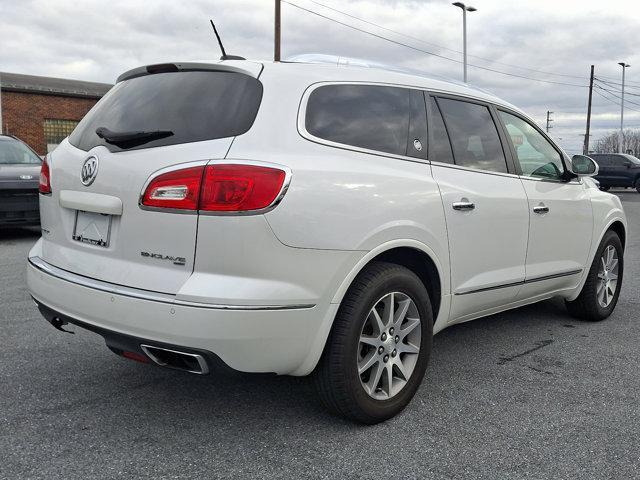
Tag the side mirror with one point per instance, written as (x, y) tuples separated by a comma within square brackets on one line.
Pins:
[(584, 166)]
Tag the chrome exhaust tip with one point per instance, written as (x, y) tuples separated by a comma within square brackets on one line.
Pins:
[(187, 362)]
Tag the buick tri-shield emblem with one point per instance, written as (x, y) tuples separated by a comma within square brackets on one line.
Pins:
[(89, 171)]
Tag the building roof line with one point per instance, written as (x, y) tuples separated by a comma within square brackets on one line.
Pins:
[(16, 82)]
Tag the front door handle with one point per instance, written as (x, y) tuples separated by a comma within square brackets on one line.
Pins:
[(463, 205), (541, 209)]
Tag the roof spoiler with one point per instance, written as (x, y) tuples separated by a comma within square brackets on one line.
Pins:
[(187, 67)]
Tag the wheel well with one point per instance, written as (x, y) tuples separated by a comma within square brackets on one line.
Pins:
[(618, 227), (422, 265)]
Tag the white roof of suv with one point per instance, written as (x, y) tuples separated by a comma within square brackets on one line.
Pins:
[(320, 68)]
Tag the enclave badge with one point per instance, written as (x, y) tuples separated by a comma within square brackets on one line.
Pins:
[(89, 171), (159, 256)]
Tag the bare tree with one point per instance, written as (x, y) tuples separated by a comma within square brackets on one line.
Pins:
[(609, 143)]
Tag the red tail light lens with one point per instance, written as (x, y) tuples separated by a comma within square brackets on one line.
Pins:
[(45, 178), (179, 189), (216, 188), (237, 187)]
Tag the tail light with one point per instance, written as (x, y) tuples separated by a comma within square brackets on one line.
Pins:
[(216, 188), (45, 178), (239, 188), (177, 189)]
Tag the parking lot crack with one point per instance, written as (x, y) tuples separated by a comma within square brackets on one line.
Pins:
[(538, 345)]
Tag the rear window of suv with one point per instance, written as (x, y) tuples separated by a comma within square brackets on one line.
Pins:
[(192, 105), (372, 117)]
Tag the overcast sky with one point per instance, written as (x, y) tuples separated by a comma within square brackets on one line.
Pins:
[(98, 39)]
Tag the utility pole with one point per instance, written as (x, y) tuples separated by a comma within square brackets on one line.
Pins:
[(1, 124), (624, 66), (549, 120), (464, 9), (276, 45), (585, 149)]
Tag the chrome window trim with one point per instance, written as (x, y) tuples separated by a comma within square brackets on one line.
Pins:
[(304, 133), (39, 264), (285, 186), (473, 170)]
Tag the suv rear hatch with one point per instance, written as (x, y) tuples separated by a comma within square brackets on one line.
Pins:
[(93, 224)]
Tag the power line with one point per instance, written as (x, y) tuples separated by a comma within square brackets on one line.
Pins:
[(428, 52), (617, 78), (617, 91), (616, 84), (613, 101), (617, 96), (441, 46)]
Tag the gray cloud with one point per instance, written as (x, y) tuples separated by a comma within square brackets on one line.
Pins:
[(97, 40)]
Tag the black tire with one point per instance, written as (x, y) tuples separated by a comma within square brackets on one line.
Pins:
[(605, 189), (637, 185), (586, 306), (336, 376)]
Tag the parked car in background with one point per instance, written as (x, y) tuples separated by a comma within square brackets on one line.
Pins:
[(295, 218), (617, 170), (19, 175)]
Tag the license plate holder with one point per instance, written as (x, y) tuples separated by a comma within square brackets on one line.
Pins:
[(92, 228)]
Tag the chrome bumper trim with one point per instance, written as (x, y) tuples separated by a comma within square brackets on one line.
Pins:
[(107, 287)]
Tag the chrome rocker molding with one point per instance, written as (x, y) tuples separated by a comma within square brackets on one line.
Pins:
[(49, 269), (523, 282)]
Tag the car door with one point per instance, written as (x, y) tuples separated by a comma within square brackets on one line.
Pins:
[(604, 169), (484, 202), (561, 218), (620, 175)]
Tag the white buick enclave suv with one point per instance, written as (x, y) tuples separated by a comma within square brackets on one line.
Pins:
[(300, 218)]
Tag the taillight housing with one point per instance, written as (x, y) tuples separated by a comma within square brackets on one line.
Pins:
[(45, 178), (232, 187), (179, 189)]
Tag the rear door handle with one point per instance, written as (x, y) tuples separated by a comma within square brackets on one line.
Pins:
[(541, 209), (463, 205)]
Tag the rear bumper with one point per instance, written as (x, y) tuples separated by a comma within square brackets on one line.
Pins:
[(19, 207), (270, 340)]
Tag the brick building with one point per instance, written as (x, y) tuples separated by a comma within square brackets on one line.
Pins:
[(42, 111)]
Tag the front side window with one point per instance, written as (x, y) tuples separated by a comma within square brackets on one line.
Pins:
[(365, 116), (474, 136), (536, 156)]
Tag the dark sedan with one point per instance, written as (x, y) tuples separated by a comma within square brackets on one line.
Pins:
[(19, 178)]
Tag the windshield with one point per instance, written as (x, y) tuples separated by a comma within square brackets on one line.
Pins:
[(170, 108), (13, 152)]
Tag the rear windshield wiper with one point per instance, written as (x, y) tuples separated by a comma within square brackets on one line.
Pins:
[(131, 139)]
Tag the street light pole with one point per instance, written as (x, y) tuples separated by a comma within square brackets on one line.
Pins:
[(621, 134), (464, 9)]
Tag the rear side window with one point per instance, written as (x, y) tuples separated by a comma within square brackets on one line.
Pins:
[(602, 160), (193, 106), (365, 116), (441, 147), (474, 136)]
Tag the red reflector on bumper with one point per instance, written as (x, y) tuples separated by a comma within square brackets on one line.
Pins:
[(138, 357)]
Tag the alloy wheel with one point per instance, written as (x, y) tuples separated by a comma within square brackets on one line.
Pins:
[(607, 276), (389, 345)]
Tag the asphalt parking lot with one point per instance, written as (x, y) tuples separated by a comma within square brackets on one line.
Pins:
[(529, 393)]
